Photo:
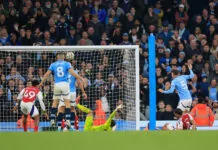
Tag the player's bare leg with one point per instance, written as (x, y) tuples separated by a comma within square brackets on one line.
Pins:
[(54, 112), (25, 123), (36, 123)]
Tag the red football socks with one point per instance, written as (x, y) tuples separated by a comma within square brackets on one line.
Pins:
[(36, 128)]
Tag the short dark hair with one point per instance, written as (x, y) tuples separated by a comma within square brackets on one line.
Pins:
[(113, 123), (60, 53), (175, 72), (178, 111), (35, 82), (201, 100)]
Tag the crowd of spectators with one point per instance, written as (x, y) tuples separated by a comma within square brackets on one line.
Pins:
[(185, 34)]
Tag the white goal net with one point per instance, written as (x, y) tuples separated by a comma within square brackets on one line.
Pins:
[(111, 73)]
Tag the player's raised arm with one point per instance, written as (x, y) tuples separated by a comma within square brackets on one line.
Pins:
[(191, 75), (108, 122), (50, 70), (45, 77)]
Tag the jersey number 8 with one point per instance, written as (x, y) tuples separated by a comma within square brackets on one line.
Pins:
[(60, 71)]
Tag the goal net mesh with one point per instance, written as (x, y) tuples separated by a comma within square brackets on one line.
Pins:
[(110, 76)]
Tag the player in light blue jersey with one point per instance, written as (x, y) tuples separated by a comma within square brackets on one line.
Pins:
[(74, 83), (179, 83), (60, 70)]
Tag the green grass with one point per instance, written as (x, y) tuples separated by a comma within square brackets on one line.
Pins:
[(157, 140)]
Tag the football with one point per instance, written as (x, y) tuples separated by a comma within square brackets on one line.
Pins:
[(70, 56)]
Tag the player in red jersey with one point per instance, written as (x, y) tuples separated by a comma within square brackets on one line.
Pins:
[(28, 96), (185, 121)]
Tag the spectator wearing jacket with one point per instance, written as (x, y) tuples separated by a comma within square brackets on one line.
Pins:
[(166, 34), (14, 75), (85, 39), (181, 15), (72, 39), (213, 91), (202, 114), (214, 74), (159, 12), (97, 25), (166, 60), (126, 5), (119, 11), (183, 32), (97, 9), (125, 39), (203, 87), (150, 18)]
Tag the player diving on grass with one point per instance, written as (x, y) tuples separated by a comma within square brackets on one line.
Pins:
[(60, 69), (185, 122), (179, 83), (61, 107), (110, 124), (28, 96)]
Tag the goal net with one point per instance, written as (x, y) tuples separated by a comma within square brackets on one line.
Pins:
[(111, 74)]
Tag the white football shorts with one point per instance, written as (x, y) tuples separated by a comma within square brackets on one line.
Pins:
[(185, 104), (29, 108), (61, 90), (72, 100)]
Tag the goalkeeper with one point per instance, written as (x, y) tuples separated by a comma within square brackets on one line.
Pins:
[(110, 124)]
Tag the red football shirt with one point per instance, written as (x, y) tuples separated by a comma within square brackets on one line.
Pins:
[(184, 122), (30, 94)]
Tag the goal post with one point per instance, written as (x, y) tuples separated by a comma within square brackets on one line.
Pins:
[(111, 73)]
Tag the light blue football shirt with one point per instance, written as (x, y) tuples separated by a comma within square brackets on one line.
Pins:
[(180, 84), (60, 70)]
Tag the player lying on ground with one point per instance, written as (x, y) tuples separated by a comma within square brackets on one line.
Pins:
[(110, 124), (185, 122), (179, 83), (61, 107), (28, 96), (60, 70)]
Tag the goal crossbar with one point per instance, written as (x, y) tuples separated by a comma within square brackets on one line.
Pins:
[(75, 48)]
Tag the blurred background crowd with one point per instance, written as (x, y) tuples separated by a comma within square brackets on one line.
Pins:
[(186, 33)]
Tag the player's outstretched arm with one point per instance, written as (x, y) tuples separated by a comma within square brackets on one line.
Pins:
[(19, 97), (171, 90), (81, 107), (42, 105), (108, 122), (45, 78)]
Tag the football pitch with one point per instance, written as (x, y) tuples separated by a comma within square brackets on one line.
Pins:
[(156, 140)]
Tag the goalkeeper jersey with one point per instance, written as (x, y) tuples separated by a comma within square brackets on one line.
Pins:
[(106, 126)]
